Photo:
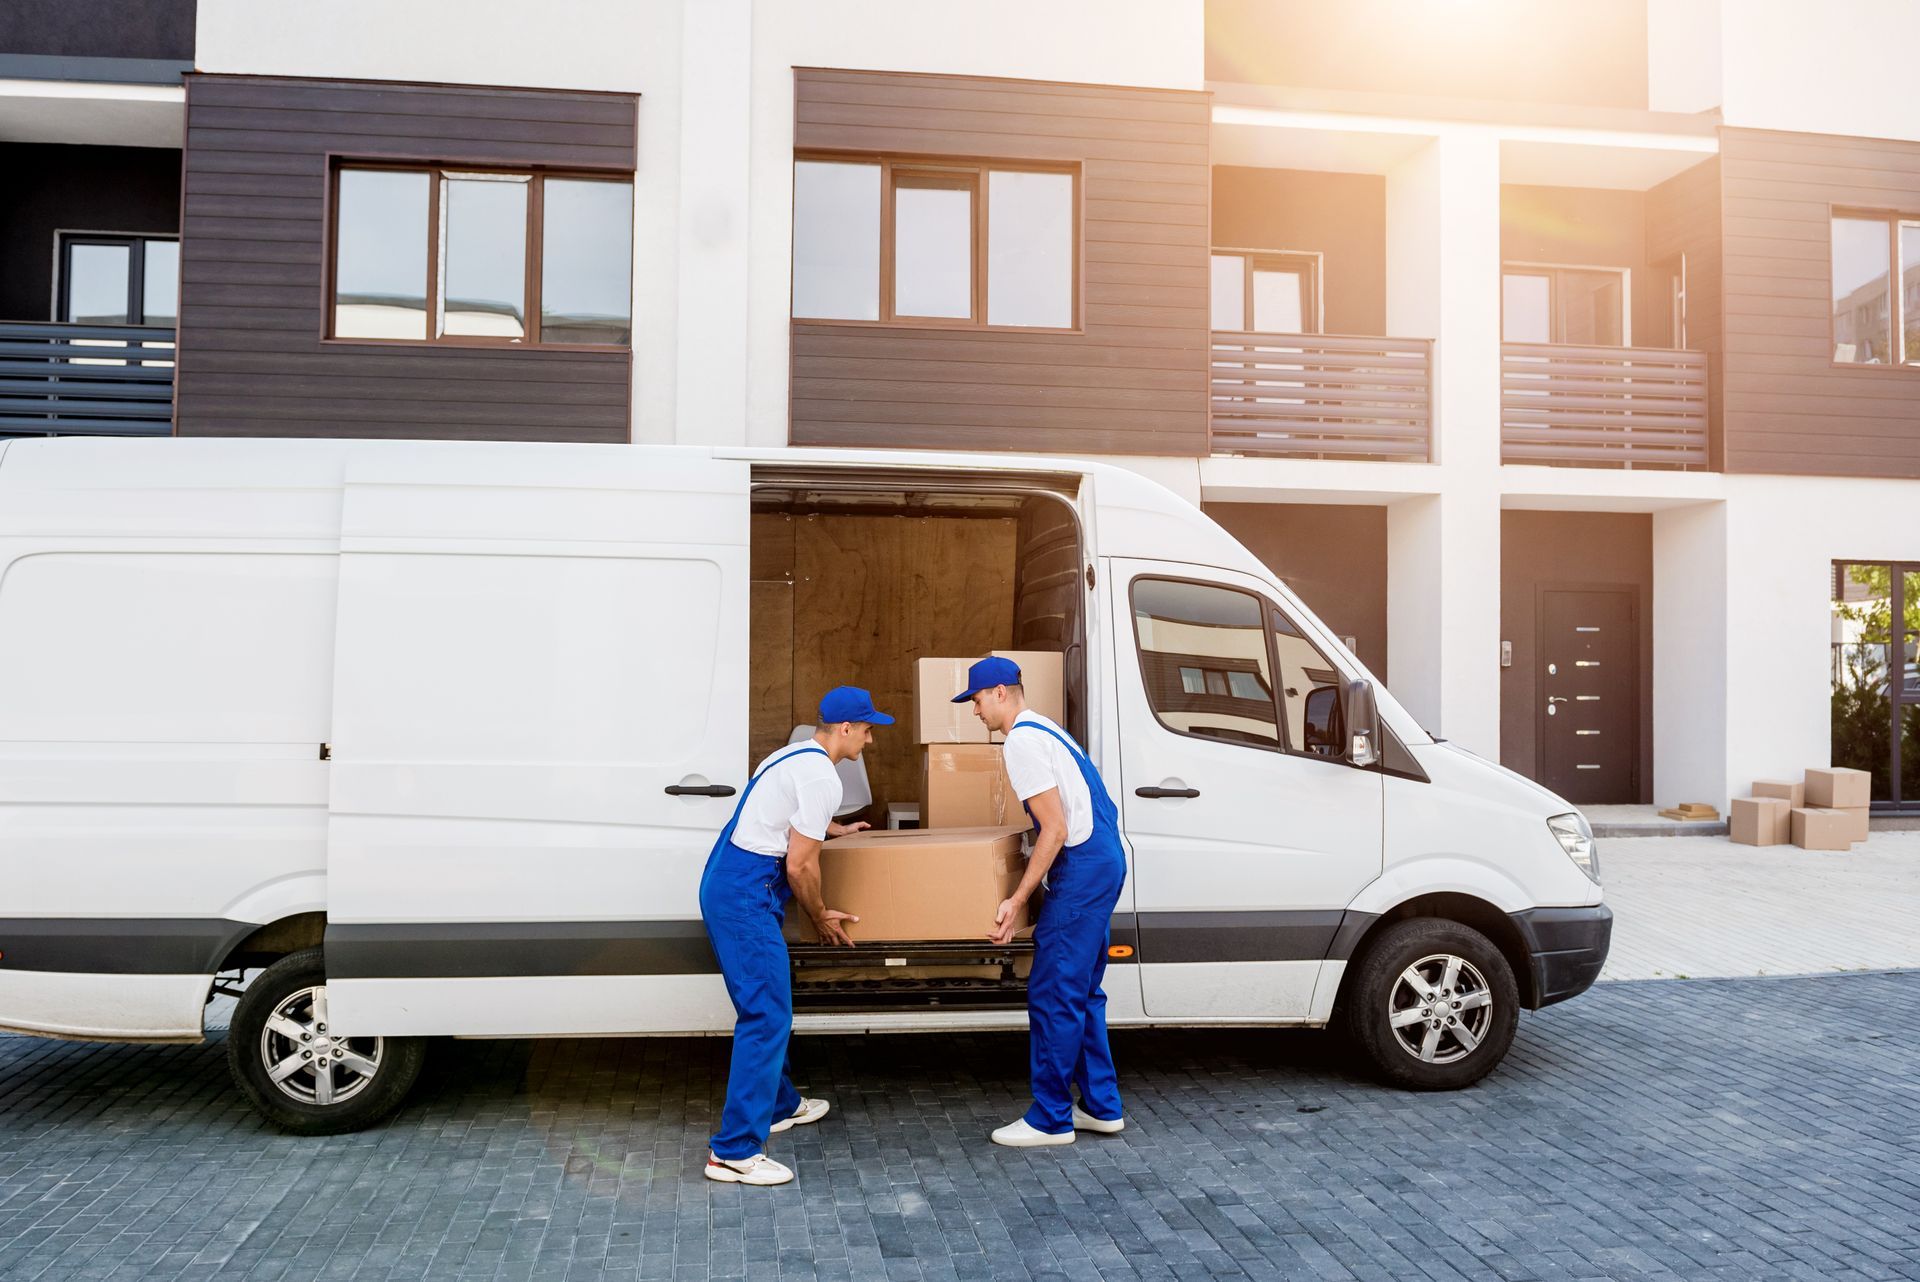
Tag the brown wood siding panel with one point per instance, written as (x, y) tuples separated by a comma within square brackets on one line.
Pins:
[(1133, 381), (253, 362), (1684, 217), (1788, 408)]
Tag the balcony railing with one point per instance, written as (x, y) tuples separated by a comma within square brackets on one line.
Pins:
[(1322, 396), (96, 380), (1629, 407)]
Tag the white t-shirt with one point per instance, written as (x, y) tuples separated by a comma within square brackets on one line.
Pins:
[(1036, 761), (801, 795)]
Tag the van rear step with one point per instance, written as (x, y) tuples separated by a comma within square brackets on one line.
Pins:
[(910, 975)]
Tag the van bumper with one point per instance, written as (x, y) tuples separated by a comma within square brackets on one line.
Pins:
[(1566, 948)]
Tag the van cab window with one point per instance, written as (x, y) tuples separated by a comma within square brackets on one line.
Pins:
[(1205, 661), (1309, 691)]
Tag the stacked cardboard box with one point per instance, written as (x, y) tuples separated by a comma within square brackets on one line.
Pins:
[(1826, 811), (963, 783), (918, 884)]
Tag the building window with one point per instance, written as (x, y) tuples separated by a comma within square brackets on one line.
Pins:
[(482, 257), (1266, 293), (935, 243), (119, 280), (1870, 253), (1547, 303)]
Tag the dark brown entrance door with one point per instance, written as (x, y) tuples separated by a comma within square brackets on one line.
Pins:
[(1590, 694)]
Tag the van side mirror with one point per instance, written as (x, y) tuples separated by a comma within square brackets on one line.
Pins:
[(1362, 723)]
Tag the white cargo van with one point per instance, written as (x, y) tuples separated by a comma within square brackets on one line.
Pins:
[(396, 740)]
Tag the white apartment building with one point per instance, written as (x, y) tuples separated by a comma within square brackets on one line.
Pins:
[(1566, 358)]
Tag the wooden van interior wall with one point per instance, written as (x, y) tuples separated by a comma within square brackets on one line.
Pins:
[(857, 599)]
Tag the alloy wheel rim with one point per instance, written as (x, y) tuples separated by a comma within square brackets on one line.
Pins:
[(309, 1063), (1440, 1009)]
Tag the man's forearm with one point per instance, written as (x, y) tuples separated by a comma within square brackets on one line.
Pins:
[(803, 878), (1046, 847)]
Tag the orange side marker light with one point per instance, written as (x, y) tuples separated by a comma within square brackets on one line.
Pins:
[(1120, 950)]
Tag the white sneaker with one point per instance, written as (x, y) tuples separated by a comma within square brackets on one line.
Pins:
[(1020, 1135), (1085, 1121), (810, 1111), (758, 1169)]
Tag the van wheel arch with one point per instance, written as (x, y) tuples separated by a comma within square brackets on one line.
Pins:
[(276, 939), (1467, 910)]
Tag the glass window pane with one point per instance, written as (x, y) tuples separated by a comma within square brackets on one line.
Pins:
[(1230, 292), (483, 257), (586, 262), (1029, 249), (380, 255), (836, 241), (1524, 310), (1278, 304), (1310, 691), (1189, 630), (1592, 311), (932, 248), (1910, 290), (97, 279), (1862, 313), (160, 284), (1862, 672)]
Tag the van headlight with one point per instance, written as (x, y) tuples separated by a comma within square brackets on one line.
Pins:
[(1576, 838)]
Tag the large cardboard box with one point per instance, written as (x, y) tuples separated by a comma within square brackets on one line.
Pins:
[(1838, 789), (937, 719), (918, 884), (1856, 822), (1794, 792), (1760, 821), (1818, 829), (965, 785)]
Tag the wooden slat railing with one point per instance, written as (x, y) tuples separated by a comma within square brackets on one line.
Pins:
[(1629, 407), (97, 380), (1322, 396)]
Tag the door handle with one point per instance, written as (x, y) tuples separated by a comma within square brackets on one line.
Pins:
[(700, 790), (1166, 792)]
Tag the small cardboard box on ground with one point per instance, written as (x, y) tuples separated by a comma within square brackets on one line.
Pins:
[(1838, 789), (1815, 828), (937, 719), (1794, 793), (1760, 821), (918, 884), (965, 785), (1857, 829)]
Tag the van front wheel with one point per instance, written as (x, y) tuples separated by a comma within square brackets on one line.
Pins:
[(1432, 1005), (297, 1070)]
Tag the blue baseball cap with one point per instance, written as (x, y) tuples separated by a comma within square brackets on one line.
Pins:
[(850, 703), (985, 675)]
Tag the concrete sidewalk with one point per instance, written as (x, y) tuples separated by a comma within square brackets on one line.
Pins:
[(1691, 907)]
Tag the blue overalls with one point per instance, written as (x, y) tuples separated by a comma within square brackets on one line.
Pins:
[(1066, 1010), (743, 899)]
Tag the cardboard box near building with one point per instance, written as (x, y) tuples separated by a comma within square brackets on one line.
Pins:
[(1857, 829), (1815, 828), (965, 785), (1838, 789), (1794, 792), (1760, 821), (918, 884)]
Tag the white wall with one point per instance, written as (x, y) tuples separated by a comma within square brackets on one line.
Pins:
[(1844, 67), (1683, 55)]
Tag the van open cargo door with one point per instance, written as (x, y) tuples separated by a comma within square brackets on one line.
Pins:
[(540, 721)]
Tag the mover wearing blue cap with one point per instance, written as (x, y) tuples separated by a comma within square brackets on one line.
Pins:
[(769, 853), (1077, 850)]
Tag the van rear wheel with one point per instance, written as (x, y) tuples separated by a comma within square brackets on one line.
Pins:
[(1432, 1005), (296, 1069)]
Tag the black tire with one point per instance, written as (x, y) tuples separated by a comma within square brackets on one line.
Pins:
[(1375, 994), (354, 1098)]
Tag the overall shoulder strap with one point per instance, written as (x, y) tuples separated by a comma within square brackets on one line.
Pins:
[(1071, 746)]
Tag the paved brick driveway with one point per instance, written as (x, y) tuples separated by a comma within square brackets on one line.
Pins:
[(1741, 1129)]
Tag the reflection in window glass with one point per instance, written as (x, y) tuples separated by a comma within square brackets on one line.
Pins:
[(1910, 293), (586, 261), (483, 256), (1029, 249), (97, 277), (380, 272), (1216, 632), (933, 247), (1229, 292), (1309, 691), (1278, 305), (160, 283), (1592, 308), (1525, 311), (1862, 302), (836, 241)]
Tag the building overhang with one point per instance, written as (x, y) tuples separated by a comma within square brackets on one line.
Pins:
[(96, 113)]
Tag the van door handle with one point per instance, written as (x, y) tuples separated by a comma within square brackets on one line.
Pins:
[(1166, 792), (700, 790)]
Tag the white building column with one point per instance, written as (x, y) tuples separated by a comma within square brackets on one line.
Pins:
[(1691, 653), (1443, 550)]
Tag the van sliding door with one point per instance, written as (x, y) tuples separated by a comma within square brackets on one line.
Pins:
[(526, 663)]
